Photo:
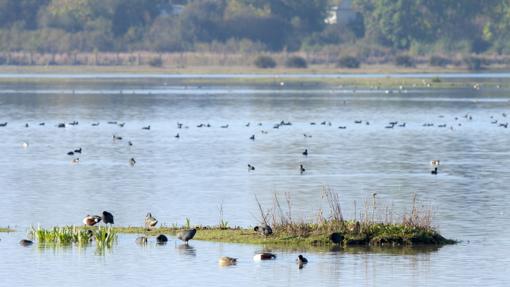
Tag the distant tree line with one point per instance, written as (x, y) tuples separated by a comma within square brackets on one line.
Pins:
[(417, 27)]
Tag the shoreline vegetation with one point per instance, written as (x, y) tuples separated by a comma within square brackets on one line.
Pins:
[(370, 229)]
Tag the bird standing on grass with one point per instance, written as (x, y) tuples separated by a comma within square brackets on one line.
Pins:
[(107, 217), (150, 221), (264, 229), (91, 220)]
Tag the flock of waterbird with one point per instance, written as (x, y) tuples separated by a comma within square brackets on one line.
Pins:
[(184, 235), (458, 121)]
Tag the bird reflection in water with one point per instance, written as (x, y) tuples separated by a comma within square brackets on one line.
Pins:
[(186, 249)]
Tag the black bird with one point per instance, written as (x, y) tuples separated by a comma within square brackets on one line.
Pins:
[(252, 137), (224, 127), (187, 235), (200, 125), (305, 153), (301, 260), (250, 167), (177, 136), (42, 124), (78, 150), (264, 229), (26, 125), (95, 124), (107, 217), (115, 137), (247, 125), (70, 153), (336, 237), (132, 162), (301, 169), (358, 122), (3, 124), (342, 127), (130, 143), (121, 125), (161, 239), (434, 171), (61, 125), (25, 242), (146, 128), (179, 125)]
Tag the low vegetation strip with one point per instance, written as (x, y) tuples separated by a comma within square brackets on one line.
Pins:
[(6, 229)]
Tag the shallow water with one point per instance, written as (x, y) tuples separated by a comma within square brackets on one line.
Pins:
[(190, 177)]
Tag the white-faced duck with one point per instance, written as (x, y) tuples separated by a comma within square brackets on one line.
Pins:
[(107, 217), (146, 128), (25, 242), (264, 256), (264, 229), (132, 162), (24, 144), (150, 221), (252, 137), (251, 167), (142, 240), (161, 239), (434, 162), (91, 220), (187, 235), (75, 160), (434, 171), (227, 261), (301, 169), (305, 153)]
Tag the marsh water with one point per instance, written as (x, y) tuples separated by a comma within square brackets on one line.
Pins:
[(206, 167)]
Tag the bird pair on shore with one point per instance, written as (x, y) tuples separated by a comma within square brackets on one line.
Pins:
[(91, 220)]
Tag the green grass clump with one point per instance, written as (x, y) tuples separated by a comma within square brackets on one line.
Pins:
[(67, 235)]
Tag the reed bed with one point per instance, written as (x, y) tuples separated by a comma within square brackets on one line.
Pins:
[(104, 237)]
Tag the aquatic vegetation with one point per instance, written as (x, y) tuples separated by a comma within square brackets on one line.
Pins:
[(67, 235)]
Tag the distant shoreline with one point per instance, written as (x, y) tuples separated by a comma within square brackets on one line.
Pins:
[(377, 76)]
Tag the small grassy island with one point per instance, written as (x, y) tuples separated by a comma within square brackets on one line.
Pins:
[(414, 229)]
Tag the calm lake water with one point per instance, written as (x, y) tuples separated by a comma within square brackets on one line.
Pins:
[(191, 176)]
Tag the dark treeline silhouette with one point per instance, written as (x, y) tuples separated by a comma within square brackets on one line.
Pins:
[(373, 26)]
